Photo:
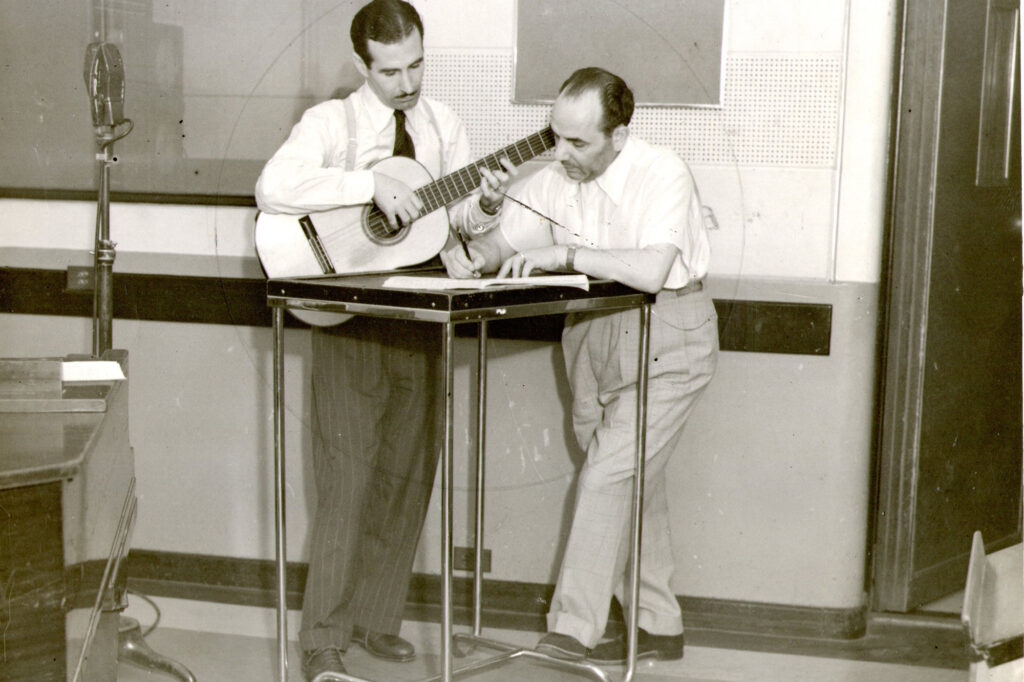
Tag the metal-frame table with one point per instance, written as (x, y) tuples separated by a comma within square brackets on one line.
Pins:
[(366, 294)]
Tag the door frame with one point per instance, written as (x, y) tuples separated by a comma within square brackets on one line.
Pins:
[(904, 295), (905, 286)]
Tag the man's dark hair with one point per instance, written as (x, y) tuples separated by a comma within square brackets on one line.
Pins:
[(383, 21), (615, 96)]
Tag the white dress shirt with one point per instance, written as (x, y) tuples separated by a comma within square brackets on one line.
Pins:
[(646, 196), (308, 172)]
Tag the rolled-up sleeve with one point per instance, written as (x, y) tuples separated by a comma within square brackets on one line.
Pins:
[(670, 212)]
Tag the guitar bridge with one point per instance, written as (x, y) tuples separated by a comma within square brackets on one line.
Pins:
[(316, 246)]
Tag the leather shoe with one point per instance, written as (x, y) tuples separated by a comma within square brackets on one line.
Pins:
[(563, 647), (318, 661), (389, 647), (648, 646)]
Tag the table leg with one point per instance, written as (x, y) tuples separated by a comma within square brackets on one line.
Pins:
[(446, 504), (279, 492), (638, 491), (481, 464), (508, 652)]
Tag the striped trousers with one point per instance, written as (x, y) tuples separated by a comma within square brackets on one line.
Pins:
[(375, 423)]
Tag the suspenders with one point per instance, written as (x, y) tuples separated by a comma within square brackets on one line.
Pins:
[(350, 126), (437, 131)]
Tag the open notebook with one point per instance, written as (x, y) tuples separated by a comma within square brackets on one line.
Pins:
[(444, 283)]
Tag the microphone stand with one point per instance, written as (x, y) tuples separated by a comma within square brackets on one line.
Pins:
[(104, 81), (103, 251)]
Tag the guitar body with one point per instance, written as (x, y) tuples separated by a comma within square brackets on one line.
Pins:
[(350, 239), (357, 239)]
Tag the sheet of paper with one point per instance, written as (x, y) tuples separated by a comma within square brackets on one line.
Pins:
[(444, 283), (91, 370)]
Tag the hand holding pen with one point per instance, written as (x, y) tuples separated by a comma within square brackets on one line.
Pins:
[(452, 263)]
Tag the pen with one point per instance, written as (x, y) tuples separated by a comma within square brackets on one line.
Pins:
[(462, 241)]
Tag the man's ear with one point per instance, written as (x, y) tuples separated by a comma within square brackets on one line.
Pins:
[(619, 137), (361, 66)]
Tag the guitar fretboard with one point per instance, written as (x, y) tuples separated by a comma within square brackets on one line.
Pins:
[(458, 184)]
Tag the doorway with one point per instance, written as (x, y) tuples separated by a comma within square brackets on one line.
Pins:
[(949, 446)]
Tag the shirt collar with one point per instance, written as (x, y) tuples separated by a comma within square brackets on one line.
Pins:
[(613, 179), (383, 117)]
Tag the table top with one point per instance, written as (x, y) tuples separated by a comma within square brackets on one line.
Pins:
[(365, 294)]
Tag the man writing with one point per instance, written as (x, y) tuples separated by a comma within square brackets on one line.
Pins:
[(374, 381), (617, 208)]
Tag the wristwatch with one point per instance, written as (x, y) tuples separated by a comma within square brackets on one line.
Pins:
[(493, 212), (570, 258)]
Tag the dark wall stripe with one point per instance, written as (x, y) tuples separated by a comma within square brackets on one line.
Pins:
[(128, 197), (934, 640), (751, 326), (771, 327)]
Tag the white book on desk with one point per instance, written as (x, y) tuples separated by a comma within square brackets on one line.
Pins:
[(446, 283), (91, 370)]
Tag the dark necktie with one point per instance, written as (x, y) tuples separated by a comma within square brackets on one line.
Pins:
[(403, 143)]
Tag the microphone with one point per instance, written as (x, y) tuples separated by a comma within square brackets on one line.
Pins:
[(104, 81)]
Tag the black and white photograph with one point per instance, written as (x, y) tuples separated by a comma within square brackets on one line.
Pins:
[(491, 340)]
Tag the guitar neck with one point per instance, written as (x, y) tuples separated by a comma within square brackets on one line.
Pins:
[(454, 186)]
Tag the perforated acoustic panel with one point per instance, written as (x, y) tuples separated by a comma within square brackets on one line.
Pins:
[(776, 110)]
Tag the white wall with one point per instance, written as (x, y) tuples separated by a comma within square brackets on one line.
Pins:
[(865, 141), (776, 220), (773, 512)]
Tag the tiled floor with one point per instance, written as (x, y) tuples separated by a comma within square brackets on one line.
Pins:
[(227, 643)]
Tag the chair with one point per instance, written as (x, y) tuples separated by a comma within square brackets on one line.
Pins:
[(993, 612)]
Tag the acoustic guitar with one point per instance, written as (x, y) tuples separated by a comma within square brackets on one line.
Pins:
[(354, 239)]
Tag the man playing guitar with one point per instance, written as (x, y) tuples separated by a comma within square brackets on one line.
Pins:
[(375, 415)]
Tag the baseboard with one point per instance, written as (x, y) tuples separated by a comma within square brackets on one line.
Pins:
[(841, 633)]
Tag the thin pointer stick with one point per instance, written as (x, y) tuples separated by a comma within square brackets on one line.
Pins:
[(533, 210)]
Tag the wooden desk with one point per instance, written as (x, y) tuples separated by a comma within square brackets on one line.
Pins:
[(367, 295), (67, 490)]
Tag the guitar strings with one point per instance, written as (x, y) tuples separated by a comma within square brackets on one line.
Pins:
[(458, 184), (544, 138)]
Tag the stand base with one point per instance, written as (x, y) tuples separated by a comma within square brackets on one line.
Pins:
[(132, 649), (507, 652)]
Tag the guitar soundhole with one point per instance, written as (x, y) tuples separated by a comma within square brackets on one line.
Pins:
[(377, 228)]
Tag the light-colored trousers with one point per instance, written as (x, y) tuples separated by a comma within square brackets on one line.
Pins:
[(601, 358)]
